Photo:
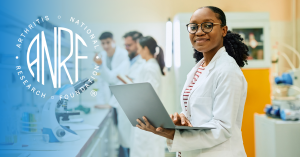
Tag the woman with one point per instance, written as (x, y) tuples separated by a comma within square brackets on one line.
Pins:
[(214, 93), (147, 144)]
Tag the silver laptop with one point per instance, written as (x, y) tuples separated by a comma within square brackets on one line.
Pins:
[(140, 99)]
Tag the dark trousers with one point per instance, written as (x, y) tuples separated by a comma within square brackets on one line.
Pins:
[(123, 152)]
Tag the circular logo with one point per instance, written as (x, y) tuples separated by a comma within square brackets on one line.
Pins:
[(52, 57)]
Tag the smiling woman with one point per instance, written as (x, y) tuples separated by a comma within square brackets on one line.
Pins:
[(214, 93), (230, 41)]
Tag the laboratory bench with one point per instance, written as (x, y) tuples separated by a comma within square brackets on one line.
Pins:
[(275, 137), (95, 142)]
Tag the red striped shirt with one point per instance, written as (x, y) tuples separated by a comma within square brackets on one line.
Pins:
[(190, 87)]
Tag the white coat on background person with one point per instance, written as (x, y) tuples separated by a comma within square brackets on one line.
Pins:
[(147, 144), (107, 77), (214, 106), (119, 65), (136, 67), (103, 93), (125, 128)]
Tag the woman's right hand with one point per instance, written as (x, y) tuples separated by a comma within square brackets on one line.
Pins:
[(180, 119)]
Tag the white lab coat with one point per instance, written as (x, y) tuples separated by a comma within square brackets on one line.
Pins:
[(125, 128), (119, 65), (147, 144), (136, 68), (217, 99), (103, 93)]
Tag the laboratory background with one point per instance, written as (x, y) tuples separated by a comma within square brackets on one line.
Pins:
[(87, 123)]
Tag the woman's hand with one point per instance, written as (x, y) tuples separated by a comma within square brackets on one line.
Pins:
[(180, 120), (167, 133)]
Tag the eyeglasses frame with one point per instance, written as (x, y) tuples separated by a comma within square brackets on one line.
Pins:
[(201, 27)]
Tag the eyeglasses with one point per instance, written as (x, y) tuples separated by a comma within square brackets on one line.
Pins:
[(128, 45), (205, 26)]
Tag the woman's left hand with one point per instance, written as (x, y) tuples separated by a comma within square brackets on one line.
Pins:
[(167, 133)]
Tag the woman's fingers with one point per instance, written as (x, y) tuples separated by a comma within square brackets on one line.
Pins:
[(176, 119), (183, 119), (176, 116), (139, 127), (146, 121), (159, 129), (171, 116), (189, 123), (140, 123)]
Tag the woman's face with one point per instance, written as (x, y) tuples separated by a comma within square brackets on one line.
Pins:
[(142, 51), (206, 42)]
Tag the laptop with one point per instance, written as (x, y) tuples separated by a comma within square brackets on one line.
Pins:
[(140, 99)]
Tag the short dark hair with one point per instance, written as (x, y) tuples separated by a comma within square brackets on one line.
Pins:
[(135, 35), (106, 35)]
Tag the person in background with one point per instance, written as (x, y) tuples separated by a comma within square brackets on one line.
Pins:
[(144, 143), (136, 61), (136, 64), (214, 93), (113, 61)]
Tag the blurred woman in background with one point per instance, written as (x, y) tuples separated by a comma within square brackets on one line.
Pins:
[(146, 144)]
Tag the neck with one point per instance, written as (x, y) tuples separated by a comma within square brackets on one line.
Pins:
[(148, 57), (111, 52), (208, 56), (132, 55)]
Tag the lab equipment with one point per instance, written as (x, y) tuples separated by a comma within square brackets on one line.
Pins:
[(86, 110), (285, 103), (56, 107), (286, 78), (288, 114), (140, 99), (284, 109), (29, 123), (272, 111)]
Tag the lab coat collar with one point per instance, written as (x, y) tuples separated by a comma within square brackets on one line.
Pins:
[(205, 73), (210, 66), (152, 60), (134, 59), (213, 61)]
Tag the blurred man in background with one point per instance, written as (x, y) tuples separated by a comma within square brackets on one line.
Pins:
[(136, 61), (113, 61), (136, 64)]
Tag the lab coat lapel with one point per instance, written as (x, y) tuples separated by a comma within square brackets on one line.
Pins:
[(114, 62), (207, 70), (189, 79)]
